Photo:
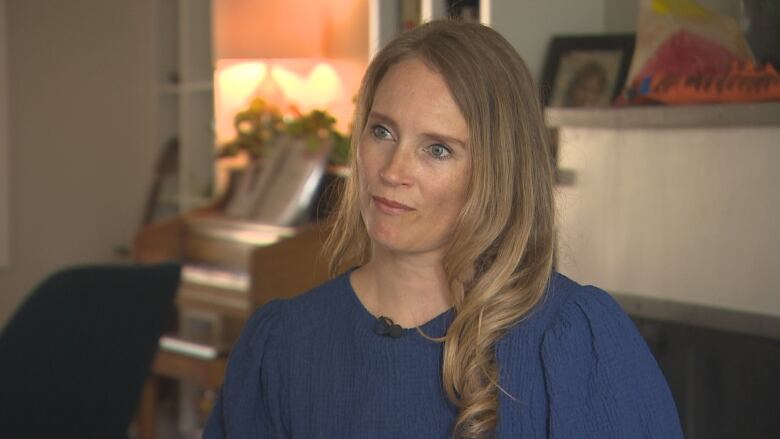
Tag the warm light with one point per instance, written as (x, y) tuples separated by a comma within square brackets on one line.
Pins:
[(307, 84), (238, 81), (319, 89), (235, 85)]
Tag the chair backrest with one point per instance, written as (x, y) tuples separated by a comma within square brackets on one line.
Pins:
[(75, 355)]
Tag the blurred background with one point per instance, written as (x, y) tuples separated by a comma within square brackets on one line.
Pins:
[(118, 115)]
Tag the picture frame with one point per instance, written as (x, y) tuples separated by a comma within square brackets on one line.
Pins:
[(464, 10), (586, 70)]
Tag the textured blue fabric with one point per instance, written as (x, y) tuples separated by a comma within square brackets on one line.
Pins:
[(312, 367)]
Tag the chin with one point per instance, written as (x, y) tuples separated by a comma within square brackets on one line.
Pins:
[(400, 237), (389, 239), (407, 243)]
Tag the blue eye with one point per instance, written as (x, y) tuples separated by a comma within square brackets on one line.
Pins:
[(381, 132), (439, 151)]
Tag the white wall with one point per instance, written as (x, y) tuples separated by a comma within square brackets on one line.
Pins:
[(4, 178), (529, 24), (79, 81), (685, 214)]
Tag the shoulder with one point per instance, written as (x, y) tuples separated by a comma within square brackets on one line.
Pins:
[(314, 304), (577, 319), (283, 318), (334, 293), (587, 330), (571, 320), (260, 359), (565, 304), (600, 377), (563, 299), (576, 310)]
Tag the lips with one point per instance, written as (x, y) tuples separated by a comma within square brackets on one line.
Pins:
[(390, 207)]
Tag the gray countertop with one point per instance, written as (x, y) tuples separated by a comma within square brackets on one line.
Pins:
[(761, 325)]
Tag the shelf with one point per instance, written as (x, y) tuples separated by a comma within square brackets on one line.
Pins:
[(168, 89), (205, 86), (684, 116), (195, 86)]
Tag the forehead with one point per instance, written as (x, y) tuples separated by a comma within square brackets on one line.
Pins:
[(412, 91)]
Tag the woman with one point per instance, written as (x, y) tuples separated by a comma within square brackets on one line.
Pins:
[(452, 324)]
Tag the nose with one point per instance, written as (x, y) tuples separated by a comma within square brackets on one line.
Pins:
[(397, 169)]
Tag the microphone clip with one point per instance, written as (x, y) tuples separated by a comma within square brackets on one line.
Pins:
[(385, 326)]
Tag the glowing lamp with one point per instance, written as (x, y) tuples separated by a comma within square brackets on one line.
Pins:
[(306, 84)]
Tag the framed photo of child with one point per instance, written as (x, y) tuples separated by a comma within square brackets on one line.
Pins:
[(586, 71)]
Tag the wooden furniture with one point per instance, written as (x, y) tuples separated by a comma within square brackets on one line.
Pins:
[(229, 269), (206, 374)]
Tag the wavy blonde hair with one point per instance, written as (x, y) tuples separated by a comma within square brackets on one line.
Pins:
[(500, 257)]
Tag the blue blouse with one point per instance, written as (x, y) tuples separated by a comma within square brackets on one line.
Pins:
[(313, 367)]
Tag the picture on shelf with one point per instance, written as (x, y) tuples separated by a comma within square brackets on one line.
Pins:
[(586, 71), (410, 12), (465, 10)]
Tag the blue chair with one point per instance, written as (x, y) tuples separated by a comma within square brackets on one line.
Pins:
[(75, 355)]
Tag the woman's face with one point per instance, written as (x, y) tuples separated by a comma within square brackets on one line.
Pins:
[(413, 162)]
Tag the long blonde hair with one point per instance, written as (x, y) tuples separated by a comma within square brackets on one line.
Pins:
[(500, 257)]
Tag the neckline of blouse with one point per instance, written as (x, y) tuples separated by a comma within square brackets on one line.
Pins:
[(435, 327)]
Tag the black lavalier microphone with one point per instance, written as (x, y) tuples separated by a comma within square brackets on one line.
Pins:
[(385, 326)]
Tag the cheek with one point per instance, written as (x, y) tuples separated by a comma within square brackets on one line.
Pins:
[(370, 160), (451, 197), (461, 191), (362, 173), (365, 163), (369, 157)]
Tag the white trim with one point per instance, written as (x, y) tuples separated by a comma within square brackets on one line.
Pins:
[(383, 19), (5, 180), (485, 11), (432, 9)]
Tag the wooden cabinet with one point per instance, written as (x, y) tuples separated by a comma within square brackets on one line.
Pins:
[(230, 268)]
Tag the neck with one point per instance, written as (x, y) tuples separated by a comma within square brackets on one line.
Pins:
[(409, 289)]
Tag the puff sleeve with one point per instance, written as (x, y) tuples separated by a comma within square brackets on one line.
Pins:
[(246, 405), (600, 377)]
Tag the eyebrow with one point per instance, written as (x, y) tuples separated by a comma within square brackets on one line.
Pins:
[(435, 136)]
